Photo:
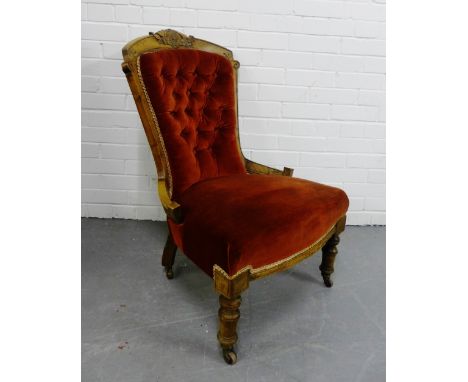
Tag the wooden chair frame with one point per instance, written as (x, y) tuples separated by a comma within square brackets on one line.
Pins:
[(229, 287)]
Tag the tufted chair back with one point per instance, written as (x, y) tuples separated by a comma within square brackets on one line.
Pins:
[(192, 94)]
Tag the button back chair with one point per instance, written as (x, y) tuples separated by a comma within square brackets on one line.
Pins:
[(237, 220)]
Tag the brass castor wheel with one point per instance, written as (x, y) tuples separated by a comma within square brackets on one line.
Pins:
[(327, 281), (326, 275), (230, 356), (169, 273)]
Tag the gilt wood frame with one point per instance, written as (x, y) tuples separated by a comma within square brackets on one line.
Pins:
[(229, 287), (226, 285)]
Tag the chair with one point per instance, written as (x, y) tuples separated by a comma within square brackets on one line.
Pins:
[(237, 220)]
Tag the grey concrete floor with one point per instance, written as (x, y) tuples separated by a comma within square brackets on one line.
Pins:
[(139, 326)]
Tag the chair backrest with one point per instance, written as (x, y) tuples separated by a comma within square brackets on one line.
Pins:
[(186, 93)]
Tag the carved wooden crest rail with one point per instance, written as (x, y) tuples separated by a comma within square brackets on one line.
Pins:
[(173, 38)]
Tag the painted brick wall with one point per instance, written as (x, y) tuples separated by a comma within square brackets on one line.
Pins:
[(311, 95)]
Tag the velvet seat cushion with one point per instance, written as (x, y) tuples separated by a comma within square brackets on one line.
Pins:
[(239, 220)]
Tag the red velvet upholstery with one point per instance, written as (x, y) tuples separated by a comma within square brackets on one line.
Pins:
[(193, 95), (241, 220), (231, 218)]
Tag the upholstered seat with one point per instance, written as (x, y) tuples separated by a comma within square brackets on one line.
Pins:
[(254, 220), (236, 219)]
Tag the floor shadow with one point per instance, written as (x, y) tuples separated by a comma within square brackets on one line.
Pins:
[(304, 276), (194, 285)]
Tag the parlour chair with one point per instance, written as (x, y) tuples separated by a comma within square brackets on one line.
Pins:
[(235, 219)]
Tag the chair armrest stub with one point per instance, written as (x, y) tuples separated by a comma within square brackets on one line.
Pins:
[(287, 171), (171, 207)]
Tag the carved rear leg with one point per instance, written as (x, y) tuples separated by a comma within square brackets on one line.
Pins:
[(227, 335), (168, 256), (329, 252)]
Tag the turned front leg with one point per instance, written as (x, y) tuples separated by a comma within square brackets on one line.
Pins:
[(329, 252), (227, 335), (168, 256)]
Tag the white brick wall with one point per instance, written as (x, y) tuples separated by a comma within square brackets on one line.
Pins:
[(311, 95)]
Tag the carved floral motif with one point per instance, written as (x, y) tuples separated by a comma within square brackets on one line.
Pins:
[(173, 38)]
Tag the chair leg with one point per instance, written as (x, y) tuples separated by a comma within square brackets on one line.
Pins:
[(329, 252), (227, 335), (168, 256)]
